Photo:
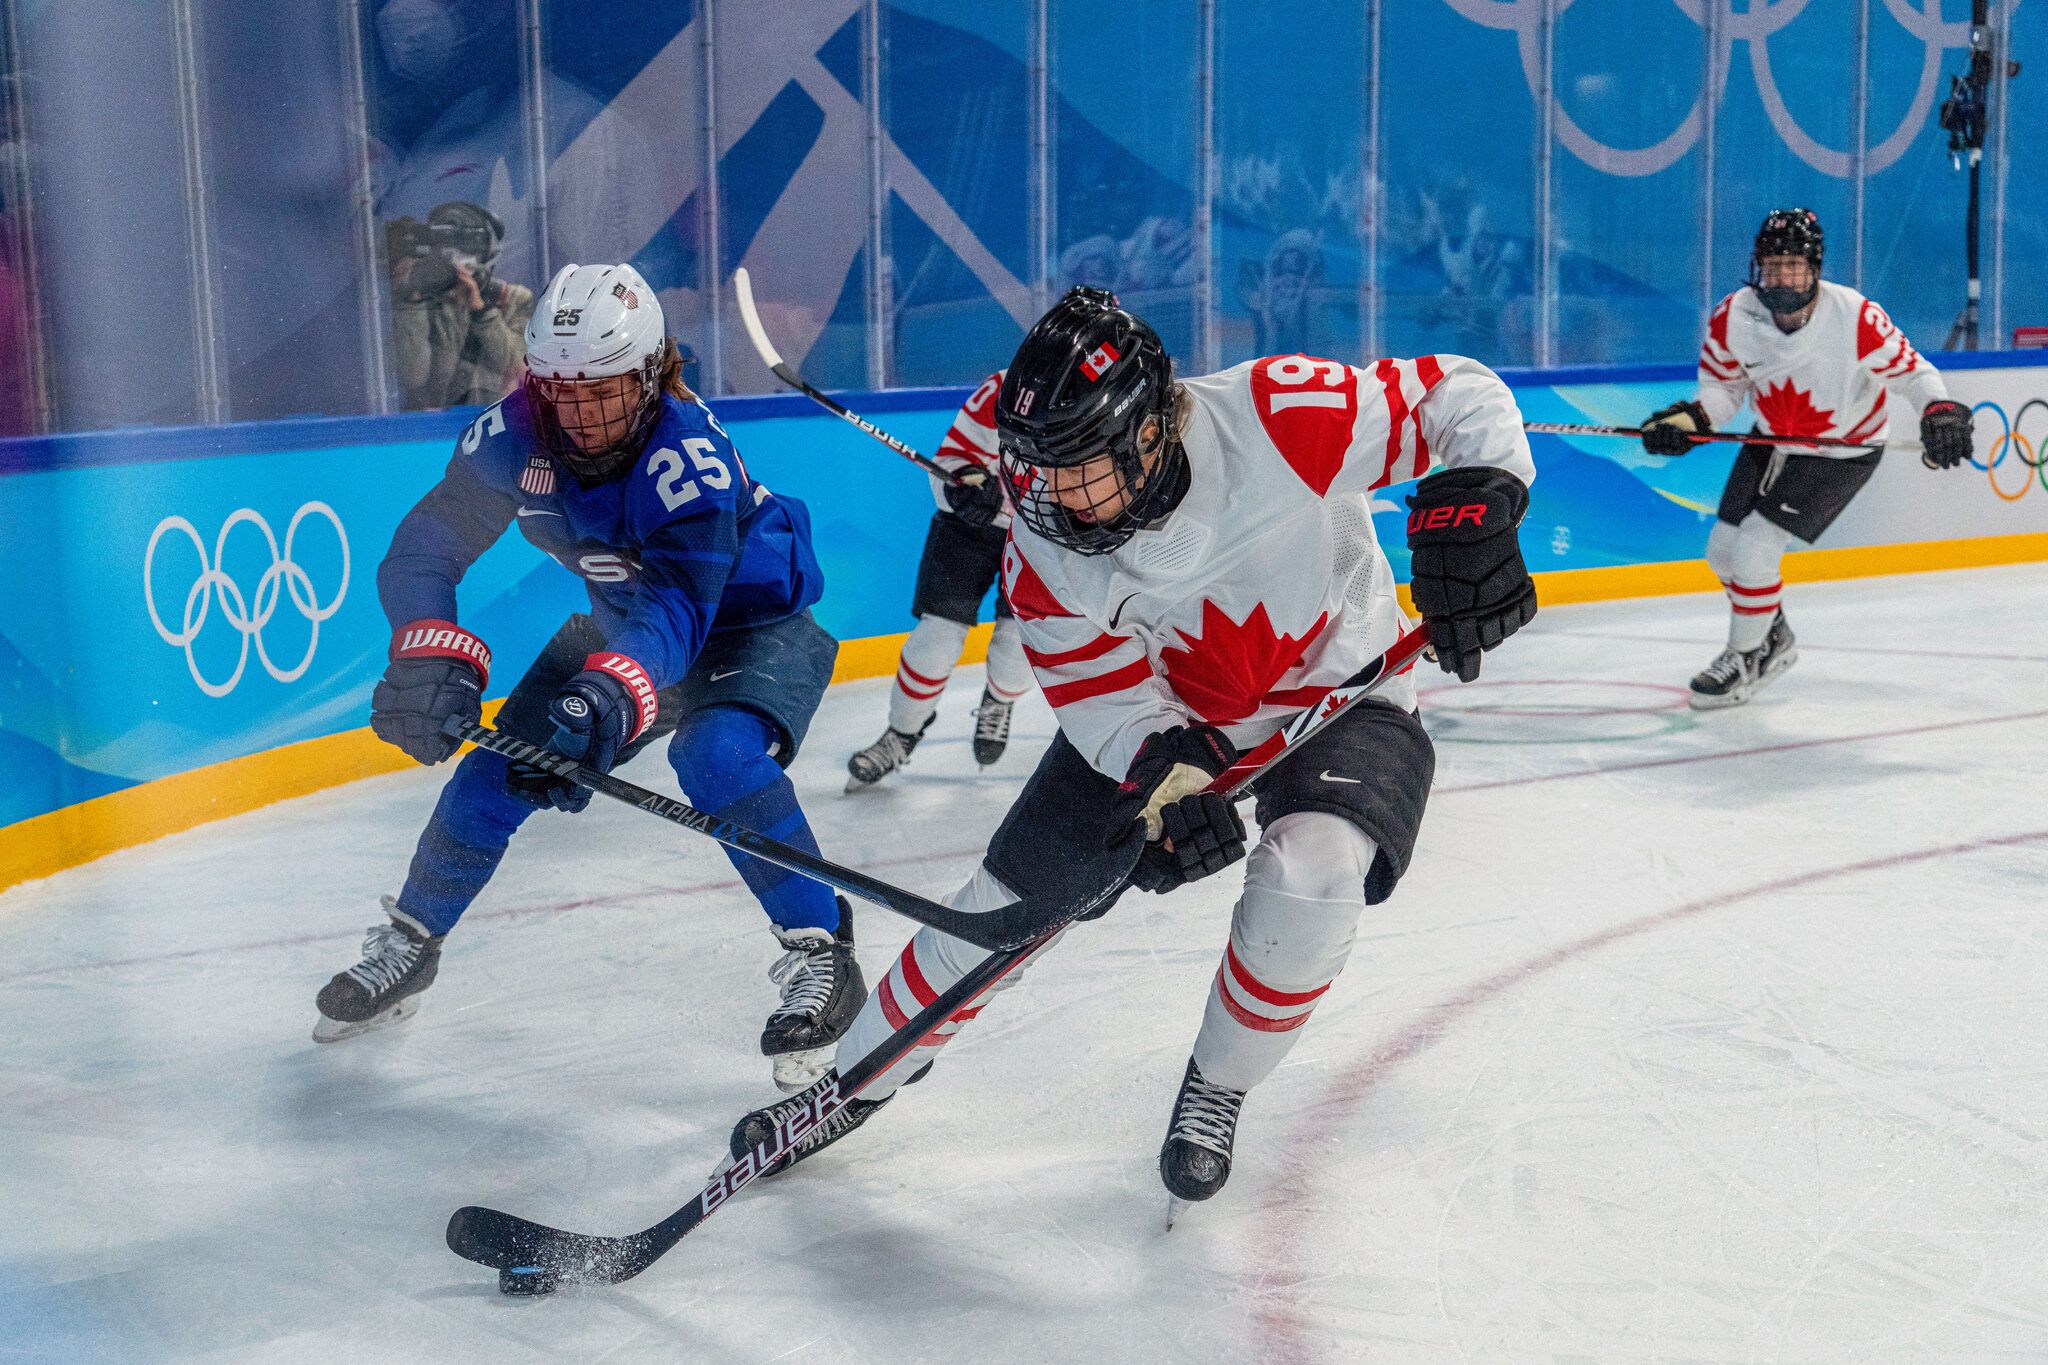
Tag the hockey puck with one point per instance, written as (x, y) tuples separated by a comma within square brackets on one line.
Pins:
[(526, 1281)]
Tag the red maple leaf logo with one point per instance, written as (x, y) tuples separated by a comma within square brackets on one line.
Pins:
[(1788, 410), (1226, 671)]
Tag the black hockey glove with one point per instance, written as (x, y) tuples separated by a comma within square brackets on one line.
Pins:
[(1664, 431), (976, 499), (1467, 576), (1204, 834), (1945, 434), (437, 670), (596, 714)]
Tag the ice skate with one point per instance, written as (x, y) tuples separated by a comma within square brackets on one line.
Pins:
[(884, 756), (1781, 649), (398, 963), (1195, 1160), (991, 727), (1729, 680), (753, 1134), (822, 991)]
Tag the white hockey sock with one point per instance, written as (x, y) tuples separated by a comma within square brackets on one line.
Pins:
[(1009, 672), (1747, 559), (928, 964), (922, 673), (1304, 889)]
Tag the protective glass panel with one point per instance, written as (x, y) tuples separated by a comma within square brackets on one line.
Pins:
[(1630, 81), (958, 148), (2026, 224), (1125, 132), (1457, 246), (1291, 151)]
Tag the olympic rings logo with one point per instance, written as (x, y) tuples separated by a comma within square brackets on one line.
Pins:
[(251, 613), (1754, 26), (2013, 440)]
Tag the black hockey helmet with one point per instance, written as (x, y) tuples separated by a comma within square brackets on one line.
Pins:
[(1079, 390), (1787, 232)]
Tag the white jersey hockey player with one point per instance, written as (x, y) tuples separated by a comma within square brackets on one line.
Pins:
[(962, 560), (1814, 358), (1193, 564)]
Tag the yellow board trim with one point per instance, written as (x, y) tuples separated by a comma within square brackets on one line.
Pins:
[(78, 834)]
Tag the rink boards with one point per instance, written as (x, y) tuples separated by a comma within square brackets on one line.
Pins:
[(189, 625)]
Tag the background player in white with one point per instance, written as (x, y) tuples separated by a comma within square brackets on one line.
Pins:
[(1193, 563), (1815, 358), (962, 560)]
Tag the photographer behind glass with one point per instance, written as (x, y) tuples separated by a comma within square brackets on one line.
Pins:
[(457, 331)]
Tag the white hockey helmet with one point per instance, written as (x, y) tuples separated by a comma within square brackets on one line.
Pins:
[(595, 350)]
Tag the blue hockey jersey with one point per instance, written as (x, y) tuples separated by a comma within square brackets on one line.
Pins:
[(683, 544)]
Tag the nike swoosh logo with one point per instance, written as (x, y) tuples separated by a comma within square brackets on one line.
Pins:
[(1788, 509), (730, 672), (537, 512), (1120, 610), (1329, 776)]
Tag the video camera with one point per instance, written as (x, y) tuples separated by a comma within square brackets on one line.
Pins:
[(434, 249)]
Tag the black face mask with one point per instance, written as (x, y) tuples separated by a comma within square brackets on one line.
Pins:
[(1783, 299)]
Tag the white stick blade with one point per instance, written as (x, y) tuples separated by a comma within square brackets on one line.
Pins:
[(744, 288)]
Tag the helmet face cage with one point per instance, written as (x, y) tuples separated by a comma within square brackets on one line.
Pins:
[(1787, 232), (595, 427), (1110, 495)]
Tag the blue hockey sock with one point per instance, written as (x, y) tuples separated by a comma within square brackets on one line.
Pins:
[(463, 843), (721, 758)]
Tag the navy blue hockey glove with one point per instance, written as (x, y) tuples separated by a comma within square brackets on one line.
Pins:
[(977, 499), (1945, 434), (1466, 573), (1665, 430), (1203, 834), (437, 671), (596, 714)]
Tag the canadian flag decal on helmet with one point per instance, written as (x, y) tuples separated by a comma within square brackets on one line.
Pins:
[(1102, 358)]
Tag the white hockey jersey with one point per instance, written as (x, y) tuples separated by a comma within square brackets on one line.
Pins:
[(1266, 587), (971, 442), (1829, 378)]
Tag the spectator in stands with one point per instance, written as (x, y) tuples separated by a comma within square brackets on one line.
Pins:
[(458, 331)]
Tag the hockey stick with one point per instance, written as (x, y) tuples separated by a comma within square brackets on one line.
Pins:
[(786, 372), (533, 1258), (1001, 929), (1701, 437)]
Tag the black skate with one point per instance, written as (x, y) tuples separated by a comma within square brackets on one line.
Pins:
[(884, 756), (991, 727), (1781, 649), (398, 963), (1729, 680), (756, 1132), (1195, 1162), (822, 991)]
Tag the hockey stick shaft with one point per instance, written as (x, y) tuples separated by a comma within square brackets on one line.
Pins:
[(1700, 437), (520, 1249), (980, 930), (743, 286)]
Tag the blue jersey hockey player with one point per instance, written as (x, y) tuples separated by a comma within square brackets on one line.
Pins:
[(699, 631)]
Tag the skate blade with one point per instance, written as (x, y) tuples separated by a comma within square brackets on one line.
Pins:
[(1781, 663), (796, 1071), (335, 1030), (855, 784), (1175, 1207), (1703, 702)]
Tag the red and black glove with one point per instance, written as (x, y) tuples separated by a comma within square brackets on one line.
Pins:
[(597, 713), (437, 670), (1946, 436), (1467, 576), (1189, 832)]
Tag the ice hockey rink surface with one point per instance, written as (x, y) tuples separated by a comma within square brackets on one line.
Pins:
[(1687, 1038)]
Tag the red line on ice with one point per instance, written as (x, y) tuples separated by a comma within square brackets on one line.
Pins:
[(1283, 1319)]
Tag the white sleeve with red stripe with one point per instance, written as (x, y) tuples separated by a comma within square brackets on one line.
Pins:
[(1434, 409), (970, 442), (1103, 692), (1883, 349), (1724, 384)]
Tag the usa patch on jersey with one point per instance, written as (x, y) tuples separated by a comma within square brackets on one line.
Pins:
[(538, 478)]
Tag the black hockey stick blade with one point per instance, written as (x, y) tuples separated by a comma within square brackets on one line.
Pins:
[(997, 930), (532, 1258)]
